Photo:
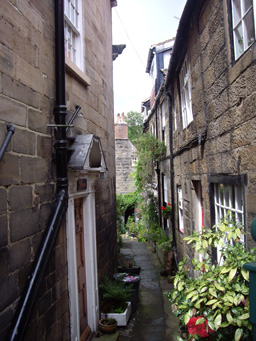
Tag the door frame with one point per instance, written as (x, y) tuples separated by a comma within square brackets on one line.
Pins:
[(90, 247)]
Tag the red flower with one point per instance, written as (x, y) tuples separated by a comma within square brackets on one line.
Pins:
[(169, 204), (163, 208), (199, 329)]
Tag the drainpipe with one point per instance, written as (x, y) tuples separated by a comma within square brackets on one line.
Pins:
[(22, 315), (158, 178), (172, 177)]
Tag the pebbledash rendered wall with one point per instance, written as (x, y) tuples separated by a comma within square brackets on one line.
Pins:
[(27, 171), (220, 141)]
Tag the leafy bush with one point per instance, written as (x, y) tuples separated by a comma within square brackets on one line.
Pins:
[(131, 226), (115, 294), (123, 203), (218, 295)]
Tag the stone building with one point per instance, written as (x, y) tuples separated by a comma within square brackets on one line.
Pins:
[(156, 118), (57, 176), (125, 157), (206, 103)]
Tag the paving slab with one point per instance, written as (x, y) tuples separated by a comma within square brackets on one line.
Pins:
[(153, 320)]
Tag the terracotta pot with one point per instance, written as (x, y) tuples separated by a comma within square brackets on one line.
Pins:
[(108, 325)]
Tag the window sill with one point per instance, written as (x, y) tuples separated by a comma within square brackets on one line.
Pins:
[(78, 73)]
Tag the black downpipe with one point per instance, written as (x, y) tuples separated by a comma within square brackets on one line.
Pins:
[(60, 110), (22, 315), (158, 178), (10, 132), (172, 178)]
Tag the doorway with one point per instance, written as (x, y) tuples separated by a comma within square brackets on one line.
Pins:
[(82, 265)]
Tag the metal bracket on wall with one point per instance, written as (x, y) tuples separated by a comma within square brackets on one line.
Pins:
[(10, 132)]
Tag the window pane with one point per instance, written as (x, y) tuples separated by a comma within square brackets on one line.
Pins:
[(249, 29), (239, 42), (247, 5), (221, 195), (236, 12)]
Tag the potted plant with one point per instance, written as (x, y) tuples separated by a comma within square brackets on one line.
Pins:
[(108, 325), (167, 211), (129, 267), (115, 300)]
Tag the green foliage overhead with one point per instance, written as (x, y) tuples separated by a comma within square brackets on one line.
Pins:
[(135, 123), (218, 293)]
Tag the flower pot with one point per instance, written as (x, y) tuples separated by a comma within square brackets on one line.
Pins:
[(108, 325), (134, 281), (130, 270), (121, 318)]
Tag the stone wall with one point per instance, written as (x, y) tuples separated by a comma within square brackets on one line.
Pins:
[(220, 141), (125, 164), (125, 157), (27, 172), (222, 102)]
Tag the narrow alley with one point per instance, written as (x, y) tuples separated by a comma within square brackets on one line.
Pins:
[(153, 320)]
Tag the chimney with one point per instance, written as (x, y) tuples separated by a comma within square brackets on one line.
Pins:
[(121, 128)]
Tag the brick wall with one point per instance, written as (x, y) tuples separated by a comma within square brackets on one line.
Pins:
[(121, 128)]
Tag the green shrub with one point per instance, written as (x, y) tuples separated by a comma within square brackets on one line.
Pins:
[(218, 293), (115, 294)]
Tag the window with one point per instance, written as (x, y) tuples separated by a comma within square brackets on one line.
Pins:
[(180, 209), (228, 197), (165, 198), (175, 117), (186, 99), (243, 25), (163, 121), (73, 32)]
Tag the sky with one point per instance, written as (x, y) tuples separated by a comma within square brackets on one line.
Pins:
[(139, 24)]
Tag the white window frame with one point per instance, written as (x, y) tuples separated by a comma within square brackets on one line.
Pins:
[(180, 209), (175, 117), (73, 32), (228, 197), (186, 97), (165, 188), (240, 22), (163, 121), (134, 161)]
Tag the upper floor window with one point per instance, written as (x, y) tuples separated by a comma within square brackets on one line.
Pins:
[(73, 32), (243, 25), (175, 117), (186, 99)]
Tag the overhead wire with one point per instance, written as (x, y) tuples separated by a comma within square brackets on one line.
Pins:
[(130, 39)]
